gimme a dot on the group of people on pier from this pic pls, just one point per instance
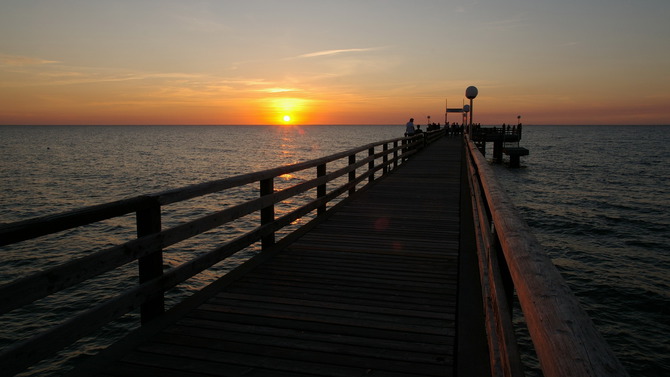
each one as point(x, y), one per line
point(505, 129)
point(451, 129)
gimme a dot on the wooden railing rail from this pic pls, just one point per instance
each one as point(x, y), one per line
point(511, 259)
point(151, 240)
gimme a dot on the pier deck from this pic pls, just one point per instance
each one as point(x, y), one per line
point(370, 291)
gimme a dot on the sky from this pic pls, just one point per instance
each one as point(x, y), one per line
point(333, 62)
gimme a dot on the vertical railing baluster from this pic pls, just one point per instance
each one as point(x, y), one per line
point(267, 213)
point(321, 189)
point(371, 164)
point(385, 158)
point(395, 154)
point(151, 265)
point(352, 174)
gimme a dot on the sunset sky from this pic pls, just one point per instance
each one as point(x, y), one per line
point(333, 62)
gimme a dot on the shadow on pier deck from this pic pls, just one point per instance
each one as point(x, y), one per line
point(370, 291)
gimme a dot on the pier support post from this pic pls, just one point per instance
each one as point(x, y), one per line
point(498, 150)
point(515, 154)
point(151, 265)
point(514, 161)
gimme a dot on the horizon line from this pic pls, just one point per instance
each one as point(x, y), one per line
point(307, 125)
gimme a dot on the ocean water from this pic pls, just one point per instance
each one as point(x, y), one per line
point(597, 198)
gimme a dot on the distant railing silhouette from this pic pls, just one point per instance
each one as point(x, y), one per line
point(512, 260)
point(151, 240)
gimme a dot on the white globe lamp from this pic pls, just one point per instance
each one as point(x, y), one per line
point(470, 93)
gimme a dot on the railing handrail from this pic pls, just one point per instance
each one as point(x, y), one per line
point(147, 248)
point(565, 339)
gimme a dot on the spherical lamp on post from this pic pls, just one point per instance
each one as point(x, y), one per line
point(470, 93)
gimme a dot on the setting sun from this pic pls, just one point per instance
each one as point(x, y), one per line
point(285, 110)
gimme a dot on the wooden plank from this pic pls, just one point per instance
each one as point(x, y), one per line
point(219, 329)
point(328, 325)
point(401, 300)
point(345, 345)
point(226, 297)
point(285, 351)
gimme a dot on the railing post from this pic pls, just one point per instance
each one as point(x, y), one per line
point(151, 265)
point(371, 164)
point(321, 189)
point(352, 174)
point(505, 276)
point(385, 159)
point(395, 154)
point(267, 213)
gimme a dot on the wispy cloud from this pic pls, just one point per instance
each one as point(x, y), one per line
point(337, 52)
point(570, 44)
point(15, 60)
point(278, 90)
point(83, 77)
point(508, 23)
point(25, 72)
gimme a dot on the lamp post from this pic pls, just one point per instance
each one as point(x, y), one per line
point(466, 111)
point(470, 93)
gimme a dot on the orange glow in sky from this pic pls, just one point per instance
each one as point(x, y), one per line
point(332, 62)
point(288, 111)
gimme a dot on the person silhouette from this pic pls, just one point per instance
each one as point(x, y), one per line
point(409, 127)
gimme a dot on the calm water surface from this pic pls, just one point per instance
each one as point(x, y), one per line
point(598, 199)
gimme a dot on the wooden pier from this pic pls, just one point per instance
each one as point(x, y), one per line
point(370, 291)
point(401, 278)
point(505, 141)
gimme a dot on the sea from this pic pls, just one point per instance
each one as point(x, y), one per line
point(596, 197)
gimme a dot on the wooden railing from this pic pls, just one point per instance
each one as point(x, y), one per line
point(152, 239)
point(512, 260)
point(488, 133)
